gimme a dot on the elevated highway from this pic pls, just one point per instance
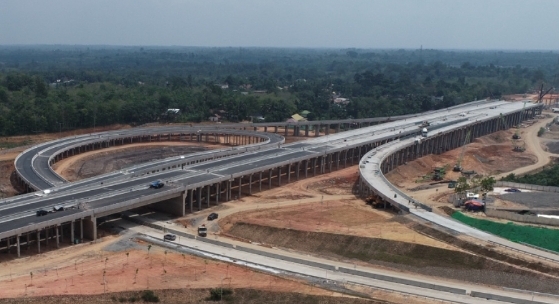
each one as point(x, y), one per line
point(223, 175)
point(208, 178)
point(383, 159)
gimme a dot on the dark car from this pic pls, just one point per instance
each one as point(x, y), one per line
point(169, 237)
point(212, 216)
point(42, 212)
point(512, 190)
point(156, 184)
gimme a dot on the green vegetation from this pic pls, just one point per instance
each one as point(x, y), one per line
point(218, 294)
point(547, 177)
point(484, 184)
point(58, 88)
point(541, 131)
point(541, 237)
point(149, 296)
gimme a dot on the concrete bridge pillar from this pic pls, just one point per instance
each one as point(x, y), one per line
point(90, 227)
point(269, 179)
point(250, 184)
point(240, 186)
point(279, 176)
point(71, 232)
point(208, 195)
point(57, 239)
point(228, 197)
point(317, 131)
point(38, 241)
point(289, 173)
point(199, 197)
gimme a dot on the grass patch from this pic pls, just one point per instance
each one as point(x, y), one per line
point(541, 237)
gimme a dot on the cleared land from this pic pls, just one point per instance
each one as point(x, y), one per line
point(95, 163)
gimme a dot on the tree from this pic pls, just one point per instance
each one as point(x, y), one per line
point(487, 183)
point(462, 185)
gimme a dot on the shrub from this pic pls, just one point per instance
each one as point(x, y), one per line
point(149, 296)
point(541, 131)
point(217, 294)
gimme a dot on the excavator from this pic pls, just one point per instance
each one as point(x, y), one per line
point(458, 166)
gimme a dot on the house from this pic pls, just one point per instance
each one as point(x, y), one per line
point(341, 101)
point(224, 86)
point(298, 117)
point(215, 118)
point(173, 111)
point(304, 113)
point(257, 118)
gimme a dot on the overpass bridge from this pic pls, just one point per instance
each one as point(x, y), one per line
point(209, 178)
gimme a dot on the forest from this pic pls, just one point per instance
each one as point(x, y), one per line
point(58, 88)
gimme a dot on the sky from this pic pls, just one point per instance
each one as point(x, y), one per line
point(433, 24)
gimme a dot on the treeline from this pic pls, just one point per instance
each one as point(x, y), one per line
point(547, 177)
point(61, 88)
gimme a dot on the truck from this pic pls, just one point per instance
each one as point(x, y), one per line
point(202, 230)
point(424, 132)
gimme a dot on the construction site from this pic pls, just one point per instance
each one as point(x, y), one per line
point(313, 216)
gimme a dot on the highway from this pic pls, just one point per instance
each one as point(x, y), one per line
point(193, 180)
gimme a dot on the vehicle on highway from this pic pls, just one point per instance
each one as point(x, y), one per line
point(58, 208)
point(169, 237)
point(202, 230)
point(42, 212)
point(212, 216)
point(156, 184)
point(512, 190)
